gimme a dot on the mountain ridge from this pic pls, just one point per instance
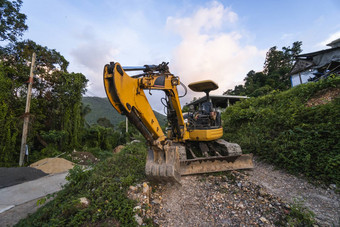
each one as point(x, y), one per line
point(101, 107)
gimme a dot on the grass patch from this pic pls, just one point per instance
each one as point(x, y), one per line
point(105, 186)
point(298, 216)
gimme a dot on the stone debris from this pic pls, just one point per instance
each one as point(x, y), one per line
point(138, 219)
point(83, 202)
point(208, 201)
point(83, 158)
point(236, 198)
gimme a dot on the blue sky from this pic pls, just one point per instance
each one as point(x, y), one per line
point(218, 40)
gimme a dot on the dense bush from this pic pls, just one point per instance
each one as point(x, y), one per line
point(105, 186)
point(282, 129)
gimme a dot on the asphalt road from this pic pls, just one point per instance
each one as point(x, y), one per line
point(19, 200)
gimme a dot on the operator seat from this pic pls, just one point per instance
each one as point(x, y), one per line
point(204, 117)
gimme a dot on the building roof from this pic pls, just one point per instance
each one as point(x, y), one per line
point(334, 43)
point(316, 59)
point(218, 100)
point(312, 54)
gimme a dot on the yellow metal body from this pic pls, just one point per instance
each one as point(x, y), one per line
point(205, 135)
point(126, 94)
point(129, 95)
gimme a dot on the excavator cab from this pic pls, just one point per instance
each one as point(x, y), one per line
point(206, 117)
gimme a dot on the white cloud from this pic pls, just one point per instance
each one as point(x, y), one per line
point(207, 51)
point(330, 38)
point(89, 58)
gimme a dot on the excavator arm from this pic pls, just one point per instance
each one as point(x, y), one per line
point(127, 96)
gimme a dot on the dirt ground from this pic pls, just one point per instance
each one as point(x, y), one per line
point(324, 202)
point(245, 198)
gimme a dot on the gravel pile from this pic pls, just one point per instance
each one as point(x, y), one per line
point(215, 201)
point(260, 197)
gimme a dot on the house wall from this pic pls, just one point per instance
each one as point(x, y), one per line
point(295, 79)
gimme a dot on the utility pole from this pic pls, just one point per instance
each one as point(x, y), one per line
point(126, 125)
point(27, 113)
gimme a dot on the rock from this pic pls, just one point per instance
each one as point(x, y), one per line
point(146, 189)
point(332, 186)
point(264, 220)
point(138, 219)
point(156, 201)
point(262, 192)
point(134, 141)
point(84, 202)
point(136, 208)
point(146, 192)
point(118, 149)
point(133, 188)
point(225, 185)
point(240, 205)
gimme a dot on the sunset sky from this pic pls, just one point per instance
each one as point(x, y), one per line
point(218, 40)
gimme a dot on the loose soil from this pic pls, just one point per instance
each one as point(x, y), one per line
point(324, 96)
point(83, 158)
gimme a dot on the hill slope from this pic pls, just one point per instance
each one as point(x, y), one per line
point(101, 107)
point(297, 129)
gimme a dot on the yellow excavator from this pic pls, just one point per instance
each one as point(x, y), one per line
point(192, 143)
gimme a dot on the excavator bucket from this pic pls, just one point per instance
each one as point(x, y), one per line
point(216, 164)
point(214, 156)
point(164, 166)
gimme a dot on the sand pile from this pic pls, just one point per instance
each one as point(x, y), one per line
point(53, 165)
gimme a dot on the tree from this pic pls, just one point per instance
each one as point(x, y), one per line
point(274, 75)
point(12, 21)
point(106, 123)
point(56, 106)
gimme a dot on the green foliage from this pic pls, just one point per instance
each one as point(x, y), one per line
point(100, 137)
point(298, 216)
point(101, 108)
point(56, 109)
point(99, 153)
point(12, 21)
point(282, 129)
point(105, 186)
point(8, 124)
point(103, 121)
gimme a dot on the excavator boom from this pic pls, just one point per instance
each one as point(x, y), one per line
point(190, 145)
